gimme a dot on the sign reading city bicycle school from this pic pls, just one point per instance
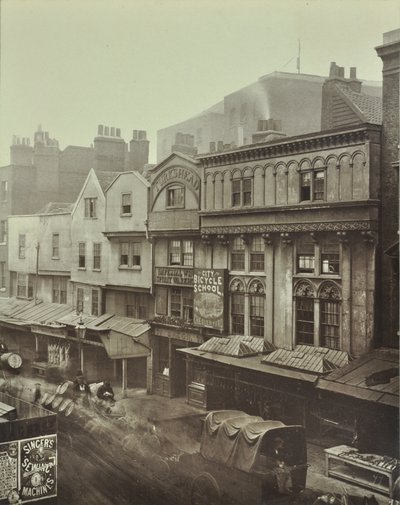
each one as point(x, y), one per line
point(209, 287)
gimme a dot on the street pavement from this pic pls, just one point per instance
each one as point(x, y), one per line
point(104, 461)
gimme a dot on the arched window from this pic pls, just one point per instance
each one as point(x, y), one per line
point(304, 314)
point(175, 196)
point(330, 315)
point(257, 298)
point(237, 307)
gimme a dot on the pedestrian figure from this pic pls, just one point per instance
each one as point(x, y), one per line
point(81, 388)
point(37, 393)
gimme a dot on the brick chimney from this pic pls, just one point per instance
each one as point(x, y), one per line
point(184, 143)
point(109, 149)
point(21, 151)
point(138, 150)
point(268, 130)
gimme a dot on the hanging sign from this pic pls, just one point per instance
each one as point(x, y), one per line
point(209, 287)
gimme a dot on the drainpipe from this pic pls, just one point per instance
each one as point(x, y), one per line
point(37, 271)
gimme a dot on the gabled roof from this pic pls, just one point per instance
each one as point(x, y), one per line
point(170, 157)
point(368, 106)
point(318, 360)
point(134, 173)
point(106, 179)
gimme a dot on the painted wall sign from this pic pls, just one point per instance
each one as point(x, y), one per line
point(177, 174)
point(209, 288)
point(174, 276)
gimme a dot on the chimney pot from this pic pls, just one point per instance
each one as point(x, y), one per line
point(117, 132)
point(353, 73)
point(220, 145)
point(142, 135)
point(212, 147)
point(106, 131)
point(100, 129)
point(112, 131)
point(333, 71)
point(341, 72)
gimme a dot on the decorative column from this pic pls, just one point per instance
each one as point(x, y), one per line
point(287, 303)
point(269, 287)
point(345, 254)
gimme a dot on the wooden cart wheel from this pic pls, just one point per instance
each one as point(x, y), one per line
point(205, 490)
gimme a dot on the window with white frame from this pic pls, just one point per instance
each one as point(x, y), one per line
point(97, 256)
point(4, 191)
point(126, 203)
point(95, 302)
point(180, 252)
point(238, 254)
point(79, 300)
point(3, 231)
point(312, 186)
point(55, 246)
point(130, 254)
point(242, 192)
point(59, 290)
point(330, 257)
point(175, 197)
point(2, 274)
point(82, 255)
point(24, 285)
point(21, 246)
point(91, 208)
point(305, 249)
point(257, 249)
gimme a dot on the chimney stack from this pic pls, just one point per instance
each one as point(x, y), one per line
point(184, 143)
point(268, 131)
point(21, 152)
point(139, 150)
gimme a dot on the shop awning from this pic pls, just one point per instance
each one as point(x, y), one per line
point(235, 346)
point(373, 377)
point(252, 363)
point(26, 312)
point(118, 345)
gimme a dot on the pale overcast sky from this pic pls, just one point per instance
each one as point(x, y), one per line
point(147, 64)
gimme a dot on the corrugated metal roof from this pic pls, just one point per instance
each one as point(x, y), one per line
point(318, 360)
point(9, 305)
point(126, 325)
point(41, 312)
point(372, 377)
point(234, 345)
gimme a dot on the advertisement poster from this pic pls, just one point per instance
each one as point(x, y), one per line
point(209, 297)
point(38, 468)
point(8, 469)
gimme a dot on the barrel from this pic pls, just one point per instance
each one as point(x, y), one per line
point(11, 360)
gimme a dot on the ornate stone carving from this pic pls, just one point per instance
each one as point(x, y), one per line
point(236, 286)
point(305, 290)
point(329, 291)
point(257, 287)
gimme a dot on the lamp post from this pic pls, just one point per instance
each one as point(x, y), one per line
point(80, 329)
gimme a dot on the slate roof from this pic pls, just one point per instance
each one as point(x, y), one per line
point(372, 377)
point(319, 360)
point(235, 346)
point(370, 107)
point(56, 208)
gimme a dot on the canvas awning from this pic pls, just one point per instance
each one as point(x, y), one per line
point(373, 377)
point(119, 345)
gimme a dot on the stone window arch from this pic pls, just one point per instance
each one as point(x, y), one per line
point(304, 311)
point(330, 313)
point(237, 306)
point(256, 308)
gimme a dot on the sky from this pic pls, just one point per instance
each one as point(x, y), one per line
point(70, 65)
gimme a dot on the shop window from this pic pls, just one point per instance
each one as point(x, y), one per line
point(238, 254)
point(312, 186)
point(24, 285)
point(330, 257)
point(198, 374)
point(237, 313)
point(82, 255)
point(242, 192)
point(163, 356)
point(95, 302)
point(21, 246)
point(304, 314)
point(79, 300)
point(3, 231)
point(91, 208)
point(330, 316)
point(96, 256)
point(305, 256)
point(55, 246)
point(180, 252)
point(175, 197)
point(126, 203)
point(257, 254)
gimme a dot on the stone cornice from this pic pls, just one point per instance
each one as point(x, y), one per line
point(293, 145)
point(361, 225)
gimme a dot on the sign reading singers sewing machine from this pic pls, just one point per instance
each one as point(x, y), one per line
point(209, 288)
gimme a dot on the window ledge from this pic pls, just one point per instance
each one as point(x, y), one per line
point(55, 257)
point(2, 289)
point(175, 208)
point(81, 268)
point(90, 218)
point(257, 272)
point(3, 243)
point(96, 269)
point(136, 268)
point(126, 214)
